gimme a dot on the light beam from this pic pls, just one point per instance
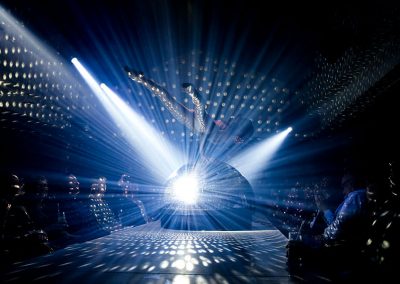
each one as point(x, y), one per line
point(253, 161)
point(159, 156)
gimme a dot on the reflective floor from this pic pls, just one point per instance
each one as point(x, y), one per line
point(150, 254)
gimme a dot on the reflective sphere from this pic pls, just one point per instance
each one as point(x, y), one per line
point(208, 194)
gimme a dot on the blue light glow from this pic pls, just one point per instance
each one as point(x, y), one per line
point(159, 156)
point(253, 161)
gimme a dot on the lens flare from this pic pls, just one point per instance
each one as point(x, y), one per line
point(186, 189)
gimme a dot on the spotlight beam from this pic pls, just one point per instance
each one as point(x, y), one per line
point(159, 156)
point(253, 161)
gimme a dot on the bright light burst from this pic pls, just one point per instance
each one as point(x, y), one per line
point(186, 189)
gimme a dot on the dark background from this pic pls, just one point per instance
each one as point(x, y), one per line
point(295, 31)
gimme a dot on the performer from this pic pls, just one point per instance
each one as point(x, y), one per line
point(237, 130)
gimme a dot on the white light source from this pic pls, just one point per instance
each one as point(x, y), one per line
point(186, 189)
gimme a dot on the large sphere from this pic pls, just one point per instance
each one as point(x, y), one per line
point(224, 197)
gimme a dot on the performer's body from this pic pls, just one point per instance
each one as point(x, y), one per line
point(237, 130)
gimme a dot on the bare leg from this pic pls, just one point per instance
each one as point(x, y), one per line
point(199, 110)
point(180, 112)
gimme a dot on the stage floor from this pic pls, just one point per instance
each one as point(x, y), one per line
point(150, 254)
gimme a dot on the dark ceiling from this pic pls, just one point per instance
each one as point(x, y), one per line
point(320, 51)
